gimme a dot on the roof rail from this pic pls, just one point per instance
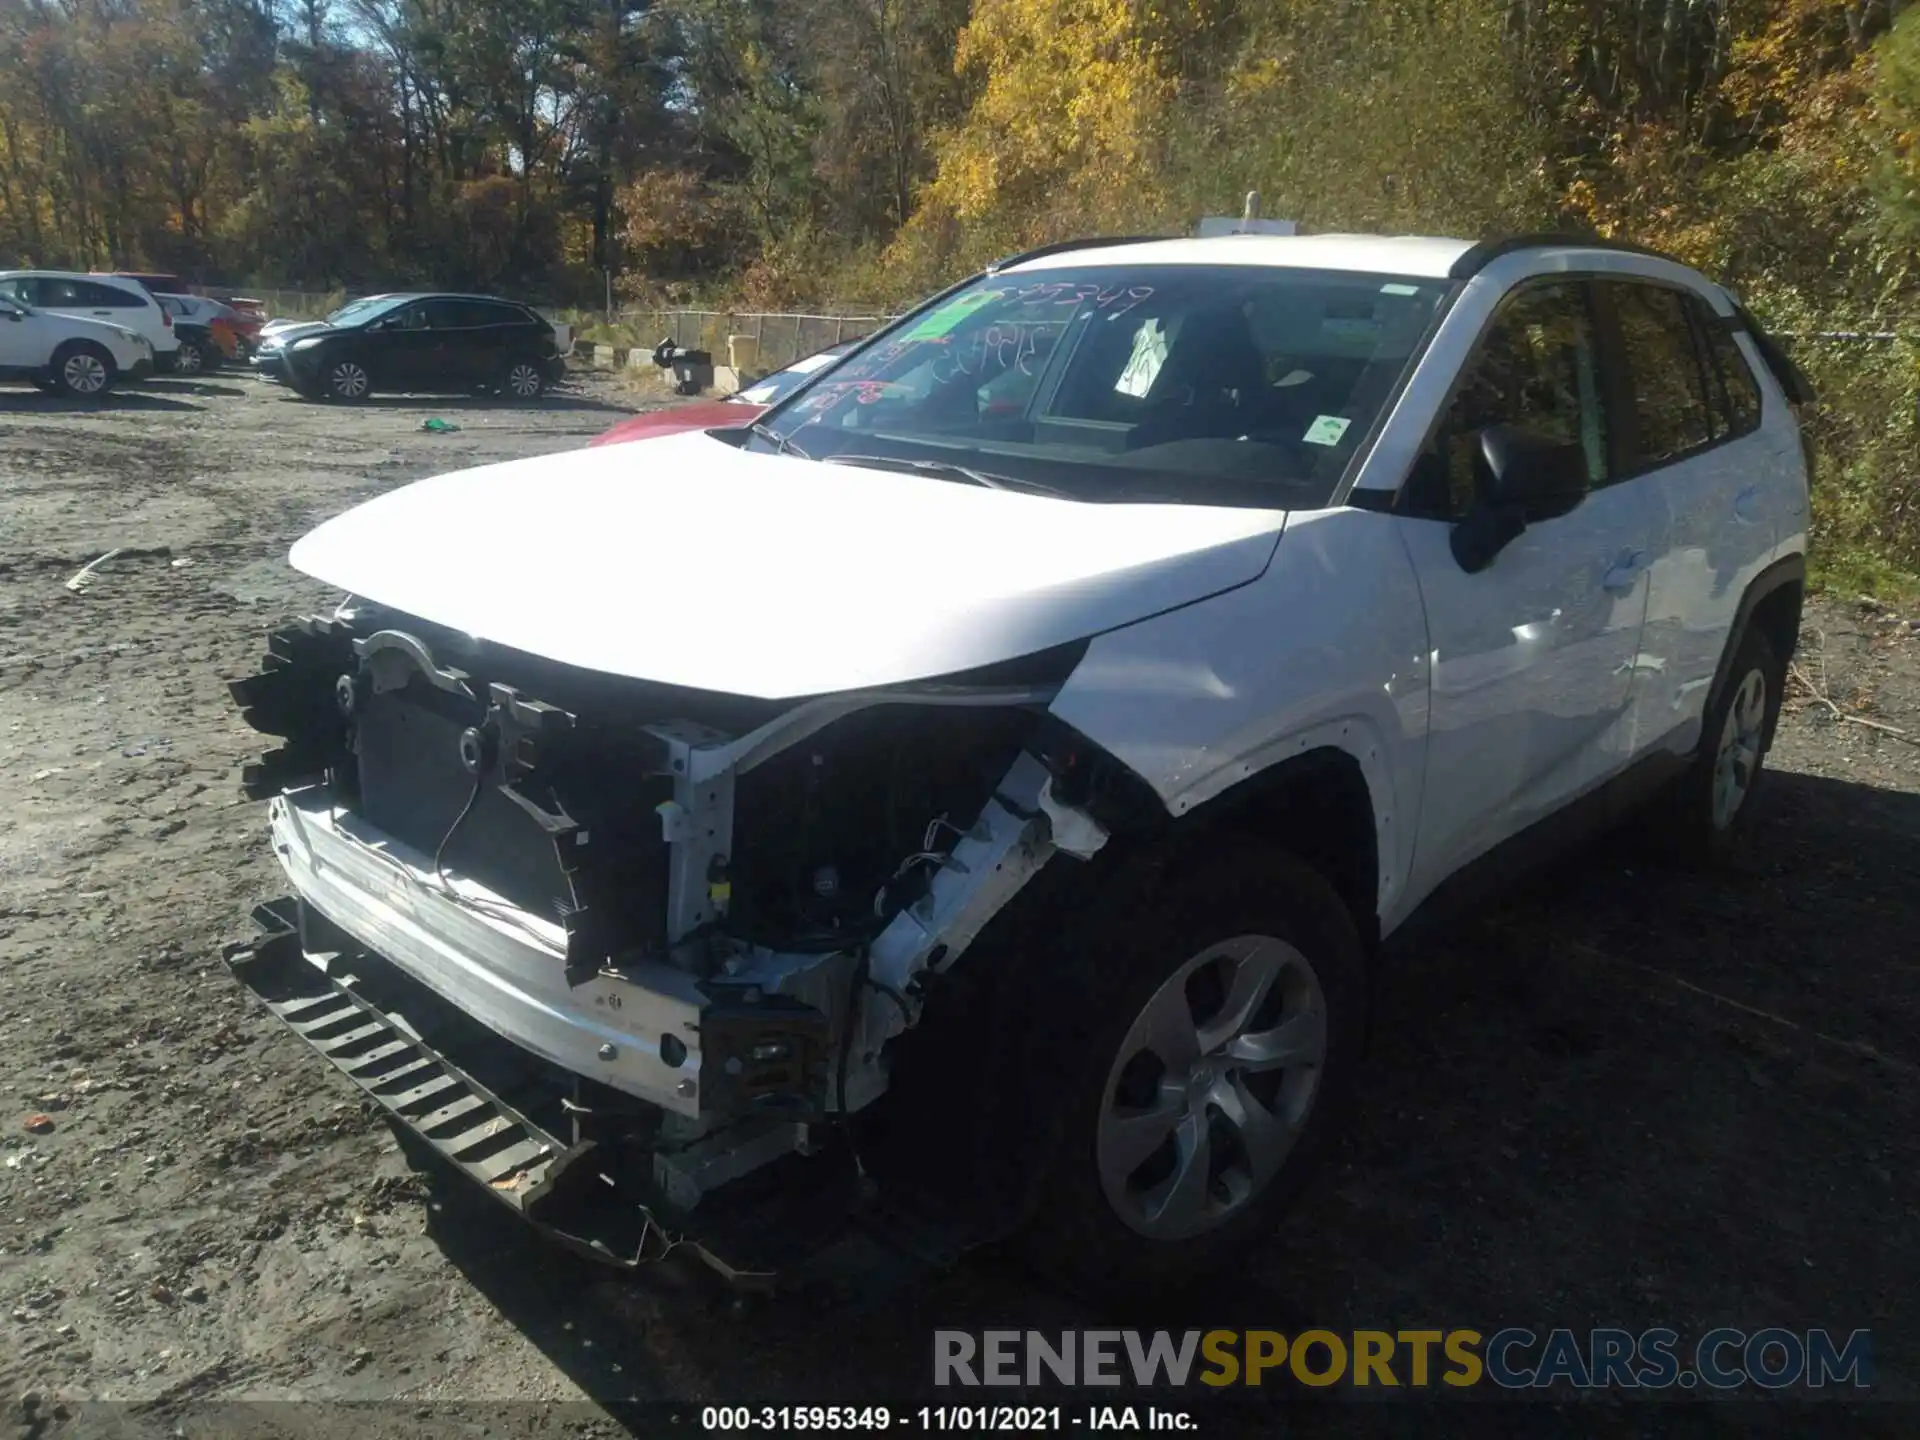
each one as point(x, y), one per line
point(1488, 251)
point(1096, 242)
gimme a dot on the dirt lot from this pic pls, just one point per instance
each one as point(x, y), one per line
point(1628, 1097)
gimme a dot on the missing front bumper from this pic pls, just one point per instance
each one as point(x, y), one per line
point(496, 1113)
point(637, 1031)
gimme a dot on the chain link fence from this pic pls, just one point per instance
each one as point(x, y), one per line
point(280, 304)
point(779, 337)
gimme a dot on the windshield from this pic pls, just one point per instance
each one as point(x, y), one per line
point(1233, 385)
point(782, 383)
point(362, 310)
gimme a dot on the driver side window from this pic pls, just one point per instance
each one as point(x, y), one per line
point(1537, 369)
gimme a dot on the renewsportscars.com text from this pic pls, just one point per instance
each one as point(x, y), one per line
point(1514, 1358)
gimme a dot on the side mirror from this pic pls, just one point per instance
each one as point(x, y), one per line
point(1525, 478)
point(1544, 478)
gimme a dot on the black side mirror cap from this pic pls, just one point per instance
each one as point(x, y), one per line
point(1542, 478)
point(1482, 533)
point(1525, 478)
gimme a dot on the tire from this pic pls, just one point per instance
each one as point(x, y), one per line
point(192, 359)
point(1232, 956)
point(1701, 818)
point(80, 370)
point(523, 381)
point(346, 380)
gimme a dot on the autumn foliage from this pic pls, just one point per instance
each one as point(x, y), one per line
point(785, 152)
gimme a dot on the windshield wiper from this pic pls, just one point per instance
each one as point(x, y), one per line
point(950, 470)
point(781, 444)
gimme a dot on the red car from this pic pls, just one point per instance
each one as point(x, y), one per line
point(725, 414)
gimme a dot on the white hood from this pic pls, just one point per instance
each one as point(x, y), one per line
point(686, 561)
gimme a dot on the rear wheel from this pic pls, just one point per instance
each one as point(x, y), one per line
point(80, 369)
point(1224, 1028)
point(347, 380)
point(523, 380)
point(1702, 817)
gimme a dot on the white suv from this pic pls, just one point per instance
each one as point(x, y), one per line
point(122, 302)
point(988, 777)
point(64, 355)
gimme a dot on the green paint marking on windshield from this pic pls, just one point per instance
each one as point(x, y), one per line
point(942, 319)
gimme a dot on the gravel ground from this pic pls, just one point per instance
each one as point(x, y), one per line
point(1627, 1097)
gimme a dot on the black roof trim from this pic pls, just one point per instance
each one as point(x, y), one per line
point(1095, 242)
point(1488, 251)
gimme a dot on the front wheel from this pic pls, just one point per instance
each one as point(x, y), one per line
point(80, 370)
point(1224, 1029)
point(192, 359)
point(347, 381)
point(523, 380)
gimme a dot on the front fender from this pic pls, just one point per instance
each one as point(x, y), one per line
point(1327, 649)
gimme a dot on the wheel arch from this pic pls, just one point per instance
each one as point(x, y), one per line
point(1321, 795)
point(1772, 604)
point(1319, 804)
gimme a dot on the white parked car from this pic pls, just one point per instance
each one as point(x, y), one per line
point(119, 301)
point(988, 777)
point(66, 355)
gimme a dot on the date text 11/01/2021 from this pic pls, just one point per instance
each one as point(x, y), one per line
point(940, 1418)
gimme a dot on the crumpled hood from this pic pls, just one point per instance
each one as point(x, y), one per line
point(686, 561)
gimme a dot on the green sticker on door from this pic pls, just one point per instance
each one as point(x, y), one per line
point(1326, 430)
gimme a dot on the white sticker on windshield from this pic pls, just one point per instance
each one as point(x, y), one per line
point(1326, 430)
point(1143, 366)
point(1399, 289)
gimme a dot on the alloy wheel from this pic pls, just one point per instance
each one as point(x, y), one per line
point(348, 380)
point(84, 374)
point(1737, 762)
point(524, 381)
point(190, 361)
point(1211, 1088)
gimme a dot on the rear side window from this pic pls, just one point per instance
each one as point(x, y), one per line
point(1673, 415)
point(108, 297)
point(1739, 395)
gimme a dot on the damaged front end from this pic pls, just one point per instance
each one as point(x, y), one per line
point(686, 928)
